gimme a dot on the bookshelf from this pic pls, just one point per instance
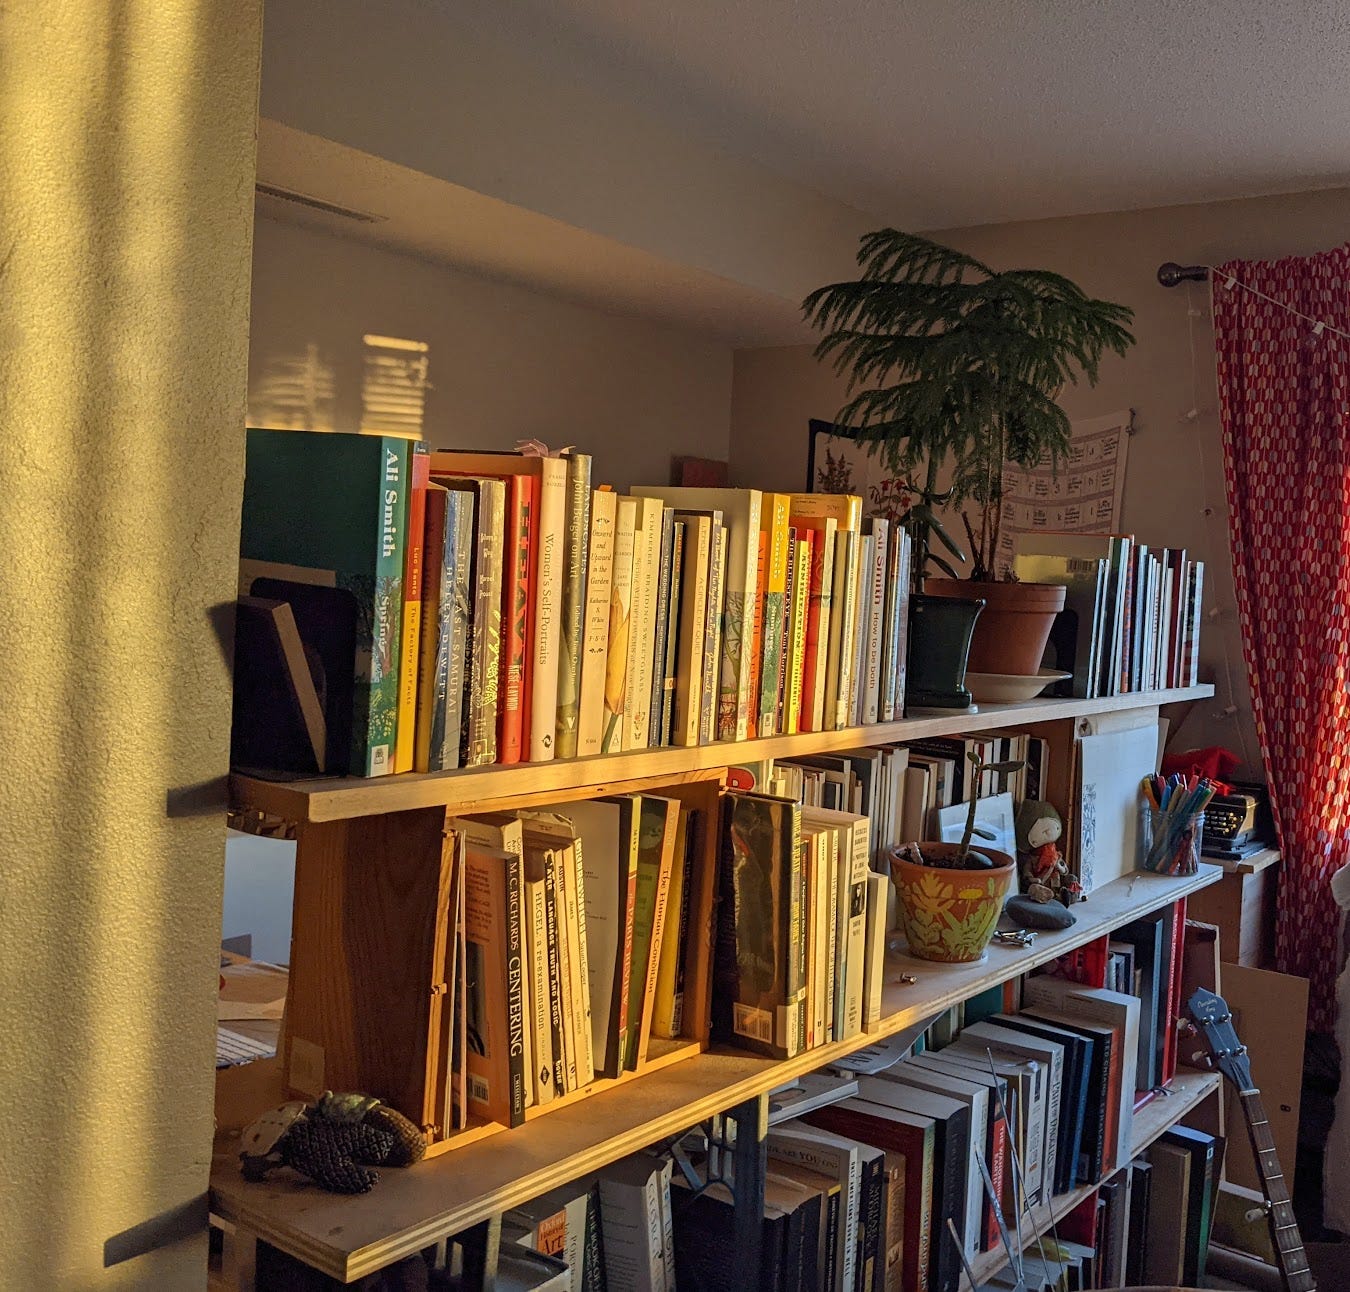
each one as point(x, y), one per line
point(344, 797)
point(352, 833)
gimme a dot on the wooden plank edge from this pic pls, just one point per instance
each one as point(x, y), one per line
point(761, 1076)
point(340, 798)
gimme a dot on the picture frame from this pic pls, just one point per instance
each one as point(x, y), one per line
point(836, 462)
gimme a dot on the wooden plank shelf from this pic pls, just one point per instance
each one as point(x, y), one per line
point(408, 1210)
point(344, 797)
point(1161, 1113)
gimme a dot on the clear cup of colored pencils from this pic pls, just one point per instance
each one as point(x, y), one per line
point(1172, 824)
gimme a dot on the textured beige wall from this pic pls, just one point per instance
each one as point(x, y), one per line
point(1175, 466)
point(126, 164)
point(505, 363)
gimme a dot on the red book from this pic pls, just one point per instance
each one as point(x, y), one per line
point(419, 473)
point(516, 602)
point(896, 1132)
point(1174, 937)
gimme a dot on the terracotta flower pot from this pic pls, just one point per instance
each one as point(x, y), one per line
point(950, 915)
point(1010, 635)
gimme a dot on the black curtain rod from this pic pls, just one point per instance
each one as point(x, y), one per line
point(1173, 275)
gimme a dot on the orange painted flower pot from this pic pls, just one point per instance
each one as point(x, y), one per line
point(950, 915)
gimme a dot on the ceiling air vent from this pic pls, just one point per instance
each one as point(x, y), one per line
point(316, 204)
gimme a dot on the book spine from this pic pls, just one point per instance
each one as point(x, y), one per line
point(848, 634)
point(817, 627)
point(801, 614)
point(540, 994)
point(446, 750)
point(409, 641)
point(855, 902)
point(693, 616)
point(876, 601)
point(662, 628)
point(481, 747)
point(553, 909)
point(620, 626)
point(869, 1232)
point(642, 618)
point(516, 991)
point(902, 594)
point(669, 674)
point(830, 1248)
point(998, 1170)
point(667, 1010)
point(435, 618)
point(740, 592)
point(581, 978)
point(794, 1037)
point(629, 881)
point(595, 642)
point(593, 1264)
point(491, 1090)
point(375, 722)
point(757, 624)
point(833, 984)
point(546, 633)
point(566, 969)
point(1195, 598)
point(712, 647)
point(784, 684)
point(515, 617)
point(774, 599)
point(576, 533)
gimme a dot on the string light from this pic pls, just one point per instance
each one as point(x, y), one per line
point(1319, 326)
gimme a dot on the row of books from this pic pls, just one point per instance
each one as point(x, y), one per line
point(1148, 1223)
point(573, 924)
point(470, 608)
point(892, 1185)
point(1132, 616)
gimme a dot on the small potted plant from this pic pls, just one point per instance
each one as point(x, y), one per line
point(953, 363)
point(950, 895)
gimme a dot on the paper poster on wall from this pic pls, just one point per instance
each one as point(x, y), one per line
point(1085, 495)
point(1111, 766)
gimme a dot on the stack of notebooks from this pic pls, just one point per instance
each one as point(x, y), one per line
point(1131, 620)
point(447, 609)
point(567, 937)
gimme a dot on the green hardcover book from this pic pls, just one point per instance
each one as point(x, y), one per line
point(759, 987)
point(324, 515)
point(577, 540)
point(656, 838)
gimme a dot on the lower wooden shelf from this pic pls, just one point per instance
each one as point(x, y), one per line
point(1161, 1113)
point(348, 1237)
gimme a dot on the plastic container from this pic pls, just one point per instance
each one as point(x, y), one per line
point(1169, 844)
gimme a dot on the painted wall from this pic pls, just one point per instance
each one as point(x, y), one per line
point(430, 87)
point(1175, 464)
point(126, 167)
point(504, 363)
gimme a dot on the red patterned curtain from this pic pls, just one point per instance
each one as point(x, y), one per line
point(1284, 400)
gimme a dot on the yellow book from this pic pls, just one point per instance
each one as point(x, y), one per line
point(796, 641)
point(846, 508)
point(405, 742)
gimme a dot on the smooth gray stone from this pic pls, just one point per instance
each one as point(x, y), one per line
point(1038, 915)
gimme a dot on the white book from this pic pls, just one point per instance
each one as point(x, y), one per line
point(542, 1068)
point(632, 1223)
point(862, 626)
point(696, 566)
point(874, 959)
point(620, 627)
point(595, 624)
point(1116, 1009)
point(1050, 1054)
point(854, 834)
point(642, 621)
point(741, 511)
point(976, 1097)
point(834, 1156)
point(839, 676)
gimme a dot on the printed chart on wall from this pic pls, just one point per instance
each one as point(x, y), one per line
point(1083, 498)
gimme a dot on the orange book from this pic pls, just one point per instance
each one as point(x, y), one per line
point(419, 475)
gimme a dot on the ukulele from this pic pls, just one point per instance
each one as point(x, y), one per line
point(1229, 1055)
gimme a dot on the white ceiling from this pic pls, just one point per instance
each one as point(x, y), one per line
point(942, 113)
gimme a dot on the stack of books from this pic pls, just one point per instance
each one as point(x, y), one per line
point(1132, 616)
point(473, 608)
point(568, 936)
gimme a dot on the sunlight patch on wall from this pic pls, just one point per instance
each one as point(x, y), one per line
point(295, 392)
point(394, 385)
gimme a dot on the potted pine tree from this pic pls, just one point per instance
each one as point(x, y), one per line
point(954, 365)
